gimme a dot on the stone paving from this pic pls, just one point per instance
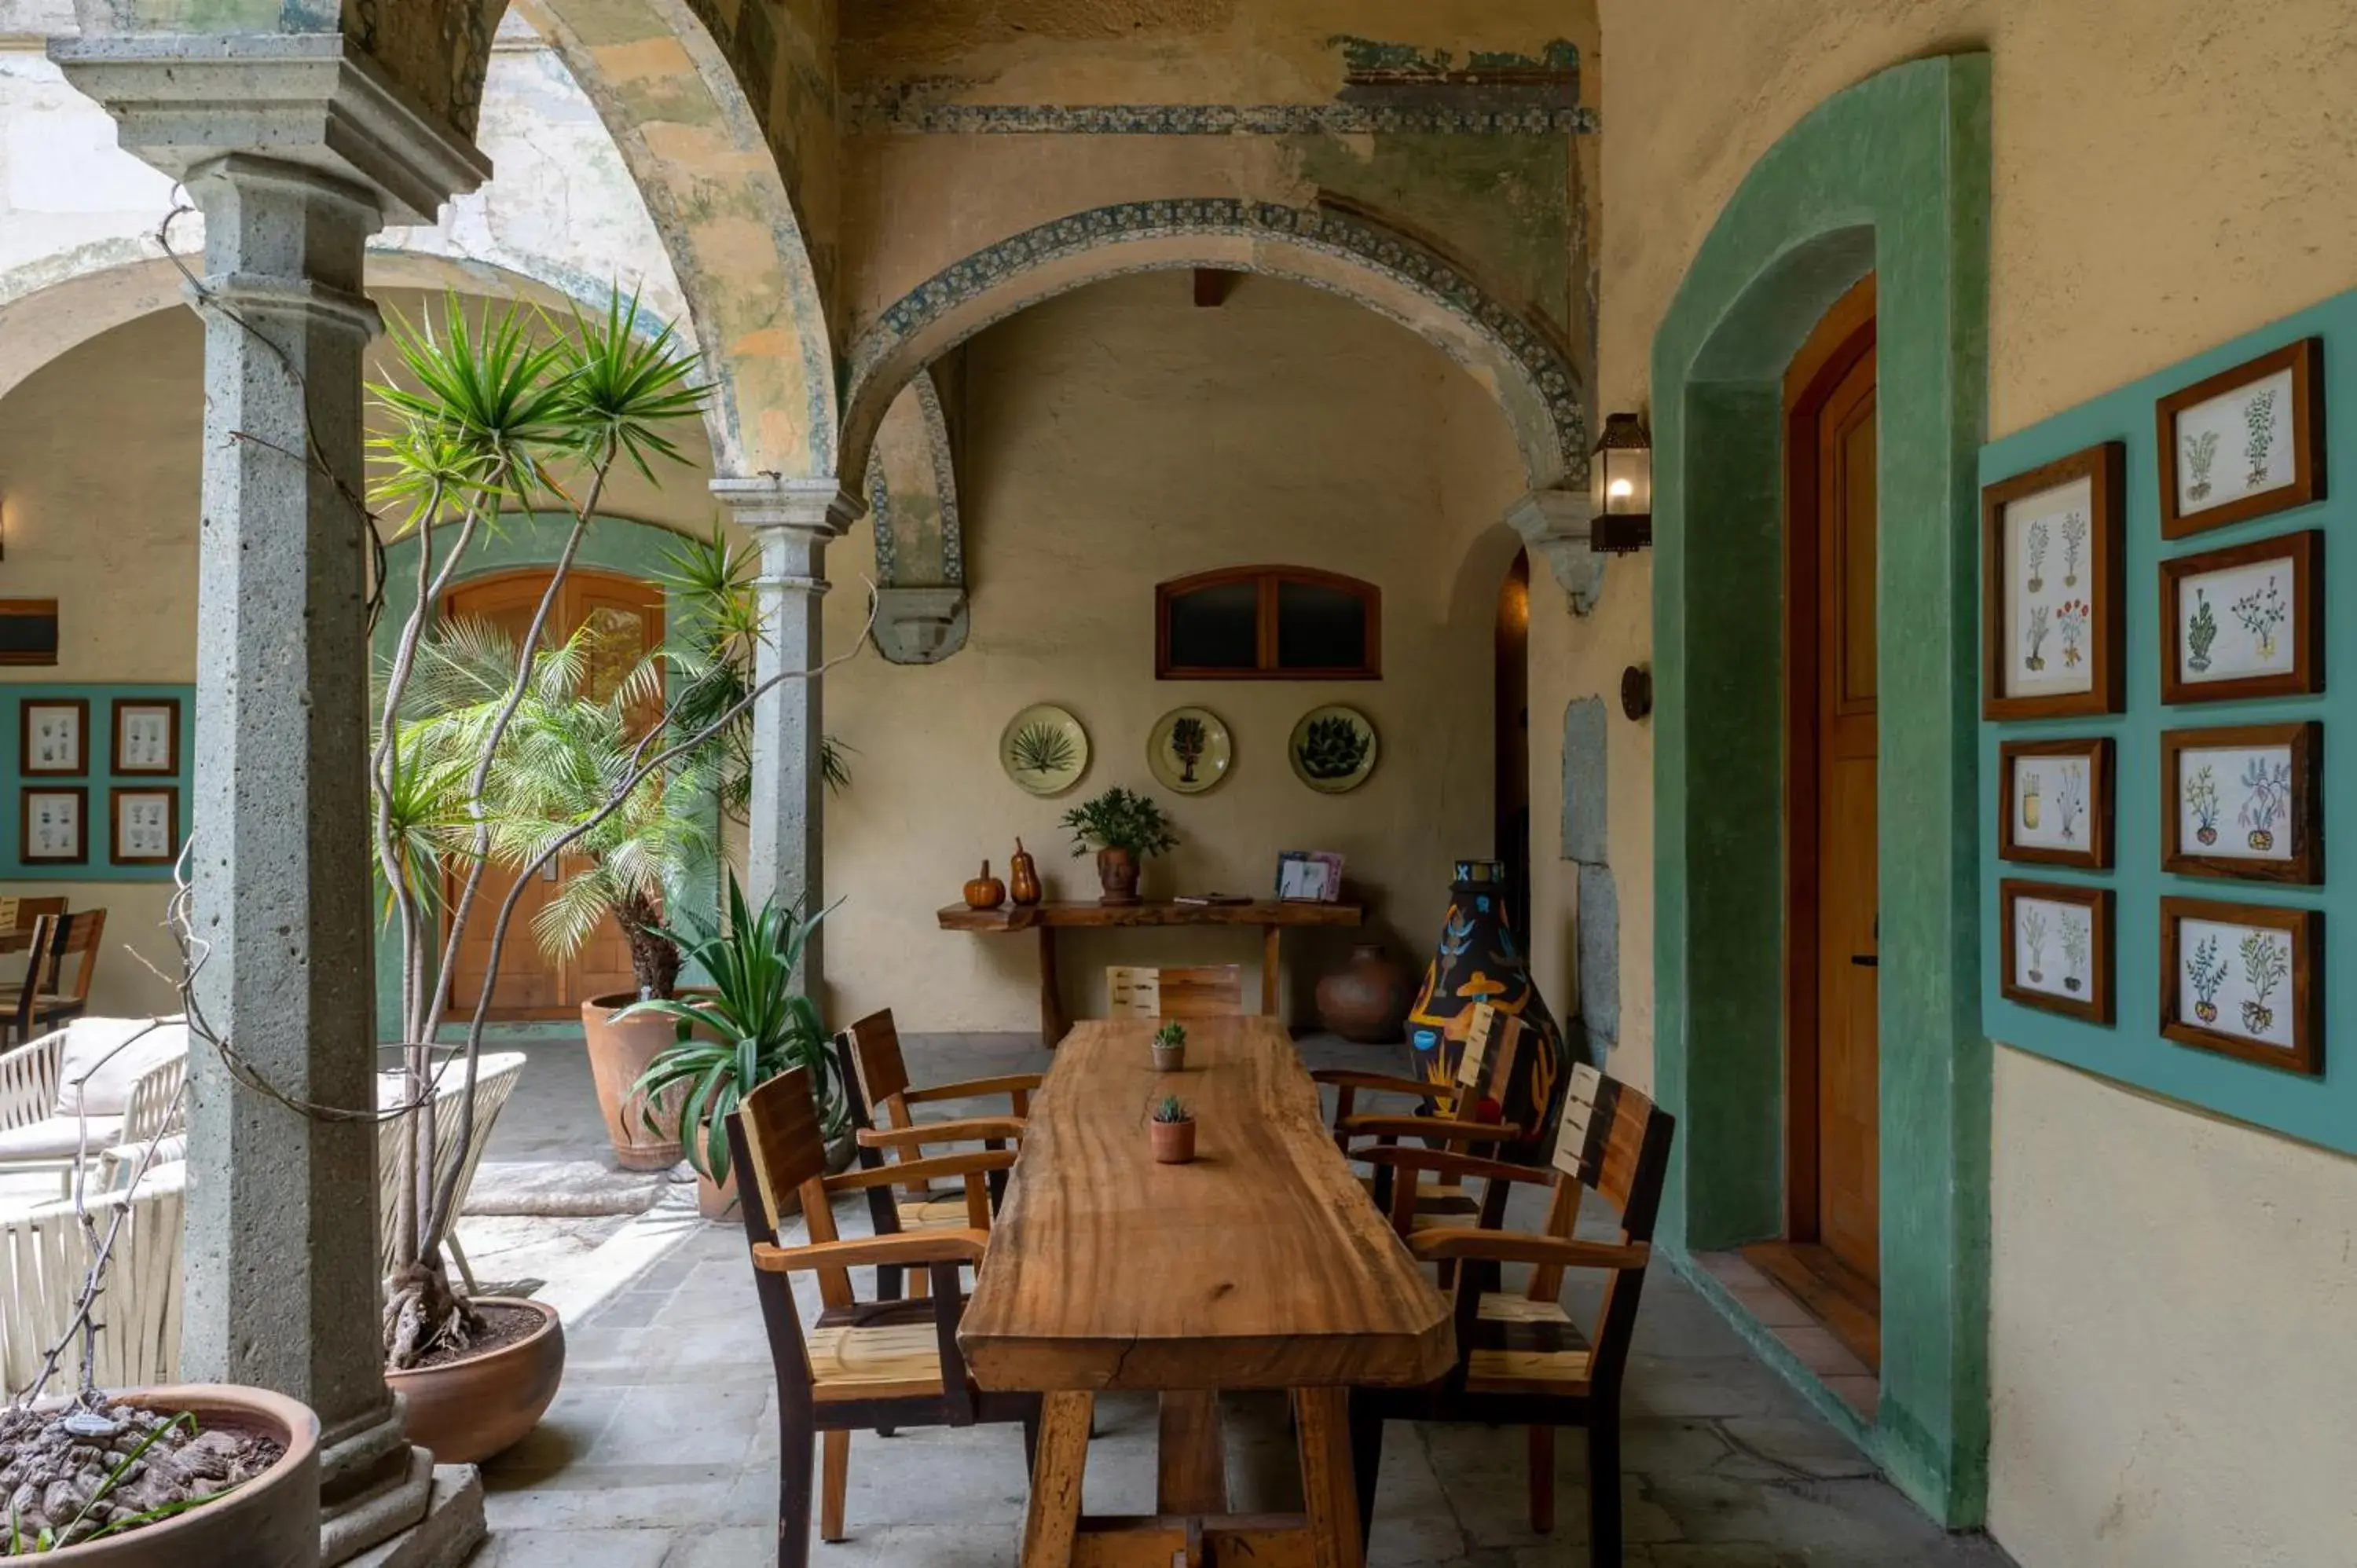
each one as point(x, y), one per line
point(661, 1450)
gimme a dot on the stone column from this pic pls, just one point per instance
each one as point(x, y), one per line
point(792, 521)
point(294, 153)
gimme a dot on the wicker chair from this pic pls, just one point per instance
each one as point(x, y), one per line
point(43, 1260)
point(68, 1096)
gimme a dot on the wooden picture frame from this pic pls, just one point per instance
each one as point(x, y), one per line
point(2300, 993)
point(2086, 622)
point(2023, 833)
point(2299, 809)
point(2288, 662)
point(132, 755)
point(118, 851)
point(2091, 1000)
point(2297, 368)
point(26, 811)
point(28, 722)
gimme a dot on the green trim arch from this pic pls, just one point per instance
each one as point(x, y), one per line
point(1892, 176)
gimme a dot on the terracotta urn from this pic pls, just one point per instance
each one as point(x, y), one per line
point(1117, 872)
point(1023, 877)
point(467, 1409)
point(985, 891)
point(619, 1053)
point(1366, 1000)
point(1174, 1142)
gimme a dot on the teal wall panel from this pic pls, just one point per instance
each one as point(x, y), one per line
point(96, 778)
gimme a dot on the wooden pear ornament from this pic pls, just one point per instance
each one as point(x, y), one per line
point(1023, 876)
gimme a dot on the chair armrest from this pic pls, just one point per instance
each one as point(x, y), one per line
point(904, 1248)
point(1017, 1083)
point(1382, 1083)
point(28, 1080)
point(1452, 1243)
point(907, 1173)
point(116, 1165)
point(1428, 1127)
point(1450, 1163)
point(973, 1130)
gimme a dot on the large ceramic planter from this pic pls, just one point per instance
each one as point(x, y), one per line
point(272, 1521)
point(1366, 1000)
point(619, 1053)
point(471, 1408)
point(1117, 871)
point(719, 1201)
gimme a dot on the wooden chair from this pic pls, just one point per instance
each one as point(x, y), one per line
point(862, 1365)
point(1201, 990)
point(1467, 1116)
point(876, 1078)
point(20, 1003)
point(44, 1262)
point(56, 987)
point(1520, 1361)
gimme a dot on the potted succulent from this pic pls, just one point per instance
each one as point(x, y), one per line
point(750, 1025)
point(1173, 1132)
point(1123, 827)
point(1170, 1048)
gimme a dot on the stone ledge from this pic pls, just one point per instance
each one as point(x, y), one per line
point(446, 1537)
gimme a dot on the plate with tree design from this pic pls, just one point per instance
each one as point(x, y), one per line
point(1332, 749)
point(1044, 749)
point(1190, 750)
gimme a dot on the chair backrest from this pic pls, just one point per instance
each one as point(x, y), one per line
point(1616, 1143)
point(18, 914)
point(1132, 991)
point(1199, 991)
point(41, 963)
point(495, 1080)
point(1494, 1043)
point(79, 935)
point(42, 1266)
point(777, 1146)
point(875, 1071)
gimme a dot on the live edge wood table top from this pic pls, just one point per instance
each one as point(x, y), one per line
point(1260, 1265)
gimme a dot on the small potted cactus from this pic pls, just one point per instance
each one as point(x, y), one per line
point(1173, 1130)
point(1170, 1048)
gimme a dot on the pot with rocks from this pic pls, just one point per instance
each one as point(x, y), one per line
point(466, 1405)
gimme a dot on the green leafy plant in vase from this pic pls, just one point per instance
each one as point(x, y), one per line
point(1169, 1047)
point(1122, 828)
point(1172, 1130)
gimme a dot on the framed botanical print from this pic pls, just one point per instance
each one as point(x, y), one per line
point(147, 737)
point(2244, 980)
point(53, 736)
point(53, 825)
point(2057, 947)
point(146, 826)
point(2244, 801)
point(2051, 588)
point(2244, 443)
point(2244, 622)
point(2055, 802)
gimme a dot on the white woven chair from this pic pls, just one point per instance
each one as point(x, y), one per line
point(68, 1096)
point(495, 1080)
point(43, 1261)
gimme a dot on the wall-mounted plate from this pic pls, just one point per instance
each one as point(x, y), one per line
point(1190, 750)
point(1332, 749)
point(1044, 749)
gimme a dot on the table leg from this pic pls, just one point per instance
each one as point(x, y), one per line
point(1054, 1520)
point(1052, 1026)
point(1193, 1475)
point(1329, 1493)
point(1272, 965)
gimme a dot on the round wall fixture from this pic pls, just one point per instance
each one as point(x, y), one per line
point(1637, 691)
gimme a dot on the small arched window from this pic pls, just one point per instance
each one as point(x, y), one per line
point(1268, 623)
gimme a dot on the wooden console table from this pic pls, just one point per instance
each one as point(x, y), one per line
point(1269, 915)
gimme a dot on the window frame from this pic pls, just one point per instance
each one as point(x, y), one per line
point(1266, 580)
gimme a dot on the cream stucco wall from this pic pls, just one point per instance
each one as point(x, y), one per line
point(2168, 1345)
point(1115, 437)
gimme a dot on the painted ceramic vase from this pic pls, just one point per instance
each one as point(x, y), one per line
point(1366, 1000)
point(1480, 960)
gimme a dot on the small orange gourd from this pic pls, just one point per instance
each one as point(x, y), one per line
point(1023, 876)
point(985, 892)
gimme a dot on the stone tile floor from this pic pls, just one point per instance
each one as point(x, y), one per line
point(661, 1450)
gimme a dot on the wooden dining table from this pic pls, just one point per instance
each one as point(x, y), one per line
point(1262, 1265)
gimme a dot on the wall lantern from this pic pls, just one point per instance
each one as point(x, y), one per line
point(1622, 479)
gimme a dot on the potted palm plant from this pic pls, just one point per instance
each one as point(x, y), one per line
point(1123, 827)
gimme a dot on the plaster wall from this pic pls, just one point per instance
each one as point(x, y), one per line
point(1117, 436)
point(2157, 187)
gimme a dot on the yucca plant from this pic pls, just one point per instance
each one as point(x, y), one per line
point(758, 1022)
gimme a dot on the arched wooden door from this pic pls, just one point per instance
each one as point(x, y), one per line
point(627, 616)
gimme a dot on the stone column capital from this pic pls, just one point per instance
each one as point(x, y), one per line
point(184, 100)
point(1556, 525)
point(820, 506)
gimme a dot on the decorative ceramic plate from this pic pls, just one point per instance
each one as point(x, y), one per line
point(1044, 749)
point(1190, 750)
point(1332, 749)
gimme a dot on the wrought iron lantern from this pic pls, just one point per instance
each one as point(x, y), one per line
point(1621, 475)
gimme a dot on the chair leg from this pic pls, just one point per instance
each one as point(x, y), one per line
point(836, 1448)
point(1366, 1463)
point(458, 1256)
point(1604, 1490)
point(797, 1442)
point(1542, 1478)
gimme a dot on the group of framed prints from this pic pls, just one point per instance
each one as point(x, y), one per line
point(2240, 802)
point(57, 753)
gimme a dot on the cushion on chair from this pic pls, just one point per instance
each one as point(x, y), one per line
point(59, 1138)
point(95, 1047)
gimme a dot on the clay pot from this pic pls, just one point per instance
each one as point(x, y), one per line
point(619, 1053)
point(272, 1521)
point(1171, 1059)
point(1023, 876)
point(1367, 999)
point(985, 891)
point(719, 1202)
point(1117, 872)
point(1174, 1142)
point(469, 1410)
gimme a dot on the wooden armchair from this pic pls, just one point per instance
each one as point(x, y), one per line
point(876, 1078)
point(1200, 991)
point(1468, 1115)
point(1520, 1361)
point(56, 987)
point(873, 1365)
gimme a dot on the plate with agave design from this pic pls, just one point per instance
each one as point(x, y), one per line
point(1332, 749)
point(1044, 749)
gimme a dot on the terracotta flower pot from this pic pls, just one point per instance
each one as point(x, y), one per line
point(1117, 872)
point(471, 1408)
point(1174, 1142)
point(272, 1521)
point(619, 1053)
point(1171, 1059)
point(1366, 1001)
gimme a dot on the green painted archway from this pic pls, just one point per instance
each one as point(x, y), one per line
point(1892, 176)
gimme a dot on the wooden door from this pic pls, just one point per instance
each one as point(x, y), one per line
point(628, 615)
point(1834, 1145)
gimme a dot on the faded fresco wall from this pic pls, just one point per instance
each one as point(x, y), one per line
point(2157, 188)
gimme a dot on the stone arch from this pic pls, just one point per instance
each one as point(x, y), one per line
point(1520, 361)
